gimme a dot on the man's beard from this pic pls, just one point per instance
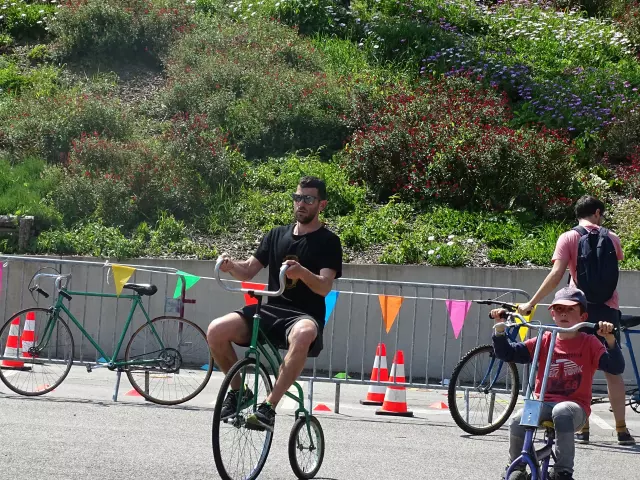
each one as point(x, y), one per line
point(305, 218)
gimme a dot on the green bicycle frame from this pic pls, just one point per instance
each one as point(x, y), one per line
point(60, 307)
point(269, 351)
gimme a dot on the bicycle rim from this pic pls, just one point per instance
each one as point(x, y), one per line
point(483, 391)
point(175, 360)
point(306, 452)
point(37, 352)
point(240, 453)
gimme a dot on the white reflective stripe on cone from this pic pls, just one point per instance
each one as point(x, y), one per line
point(395, 395)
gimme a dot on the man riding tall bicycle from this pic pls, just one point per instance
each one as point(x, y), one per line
point(294, 320)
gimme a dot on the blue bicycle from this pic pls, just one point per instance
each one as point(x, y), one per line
point(538, 461)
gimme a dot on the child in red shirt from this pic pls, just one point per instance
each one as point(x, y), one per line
point(576, 357)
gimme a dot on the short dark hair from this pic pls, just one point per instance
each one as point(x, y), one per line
point(314, 182)
point(587, 206)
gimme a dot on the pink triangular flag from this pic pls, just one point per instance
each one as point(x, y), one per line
point(458, 310)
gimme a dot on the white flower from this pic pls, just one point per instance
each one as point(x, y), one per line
point(469, 240)
point(431, 252)
point(431, 238)
point(376, 46)
point(449, 243)
point(451, 237)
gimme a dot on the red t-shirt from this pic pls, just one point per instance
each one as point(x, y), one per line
point(573, 365)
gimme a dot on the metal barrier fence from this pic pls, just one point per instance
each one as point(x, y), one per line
point(422, 330)
point(355, 326)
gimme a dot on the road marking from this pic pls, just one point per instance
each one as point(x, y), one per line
point(600, 422)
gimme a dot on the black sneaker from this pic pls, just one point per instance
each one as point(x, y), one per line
point(515, 475)
point(582, 437)
point(561, 476)
point(230, 404)
point(625, 438)
point(263, 419)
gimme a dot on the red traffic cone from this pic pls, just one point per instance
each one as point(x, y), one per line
point(11, 350)
point(28, 337)
point(395, 400)
point(375, 394)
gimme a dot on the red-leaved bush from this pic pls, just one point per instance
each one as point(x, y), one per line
point(449, 141)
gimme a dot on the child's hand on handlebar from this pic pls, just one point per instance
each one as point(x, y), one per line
point(605, 330)
point(498, 314)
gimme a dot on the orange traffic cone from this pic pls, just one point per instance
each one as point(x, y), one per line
point(11, 349)
point(395, 400)
point(375, 395)
point(28, 334)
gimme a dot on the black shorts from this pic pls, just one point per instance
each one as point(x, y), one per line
point(276, 323)
point(603, 313)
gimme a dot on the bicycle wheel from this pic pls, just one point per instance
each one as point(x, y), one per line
point(240, 453)
point(483, 391)
point(171, 352)
point(37, 351)
point(305, 458)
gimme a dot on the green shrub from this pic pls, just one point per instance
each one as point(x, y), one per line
point(120, 30)
point(47, 126)
point(39, 53)
point(260, 83)
point(25, 20)
point(23, 188)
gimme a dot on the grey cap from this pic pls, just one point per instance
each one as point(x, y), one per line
point(570, 296)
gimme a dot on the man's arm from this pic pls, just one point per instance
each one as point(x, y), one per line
point(510, 352)
point(320, 284)
point(243, 270)
point(548, 285)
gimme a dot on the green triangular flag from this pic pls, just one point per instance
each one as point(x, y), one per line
point(342, 376)
point(190, 279)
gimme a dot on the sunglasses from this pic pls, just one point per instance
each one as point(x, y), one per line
point(308, 199)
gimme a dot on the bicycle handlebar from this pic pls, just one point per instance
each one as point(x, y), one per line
point(57, 283)
point(265, 293)
point(551, 328)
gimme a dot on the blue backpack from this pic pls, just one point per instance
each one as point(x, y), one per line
point(597, 270)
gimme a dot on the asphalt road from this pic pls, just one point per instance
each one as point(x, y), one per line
point(78, 432)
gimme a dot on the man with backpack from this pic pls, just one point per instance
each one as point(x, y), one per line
point(591, 253)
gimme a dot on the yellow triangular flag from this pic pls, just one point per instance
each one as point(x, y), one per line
point(121, 274)
point(390, 306)
point(523, 331)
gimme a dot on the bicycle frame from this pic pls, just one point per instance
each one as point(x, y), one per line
point(627, 337)
point(60, 307)
point(531, 415)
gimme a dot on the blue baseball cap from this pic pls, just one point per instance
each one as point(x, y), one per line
point(569, 296)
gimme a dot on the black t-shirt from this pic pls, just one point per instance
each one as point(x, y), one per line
point(314, 251)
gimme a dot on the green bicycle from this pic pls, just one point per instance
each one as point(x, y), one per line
point(162, 359)
point(239, 451)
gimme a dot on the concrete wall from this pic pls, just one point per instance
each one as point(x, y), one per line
point(422, 329)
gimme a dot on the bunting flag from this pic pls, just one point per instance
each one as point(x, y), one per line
point(252, 286)
point(390, 306)
point(458, 310)
point(330, 303)
point(523, 331)
point(190, 280)
point(121, 275)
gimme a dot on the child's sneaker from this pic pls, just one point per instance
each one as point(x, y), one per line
point(582, 437)
point(515, 475)
point(560, 476)
point(625, 438)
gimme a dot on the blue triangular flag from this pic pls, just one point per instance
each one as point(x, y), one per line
point(102, 360)
point(330, 302)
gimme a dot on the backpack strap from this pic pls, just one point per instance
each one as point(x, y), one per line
point(581, 230)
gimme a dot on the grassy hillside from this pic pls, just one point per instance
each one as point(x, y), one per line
point(450, 133)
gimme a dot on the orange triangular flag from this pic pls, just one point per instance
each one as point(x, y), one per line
point(390, 306)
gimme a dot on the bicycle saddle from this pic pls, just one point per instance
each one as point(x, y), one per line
point(141, 289)
point(629, 321)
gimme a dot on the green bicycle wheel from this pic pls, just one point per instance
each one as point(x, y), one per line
point(240, 453)
point(171, 352)
point(37, 351)
point(306, 447)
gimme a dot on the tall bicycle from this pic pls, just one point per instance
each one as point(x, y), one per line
point(239, 451)
point(162, 359)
